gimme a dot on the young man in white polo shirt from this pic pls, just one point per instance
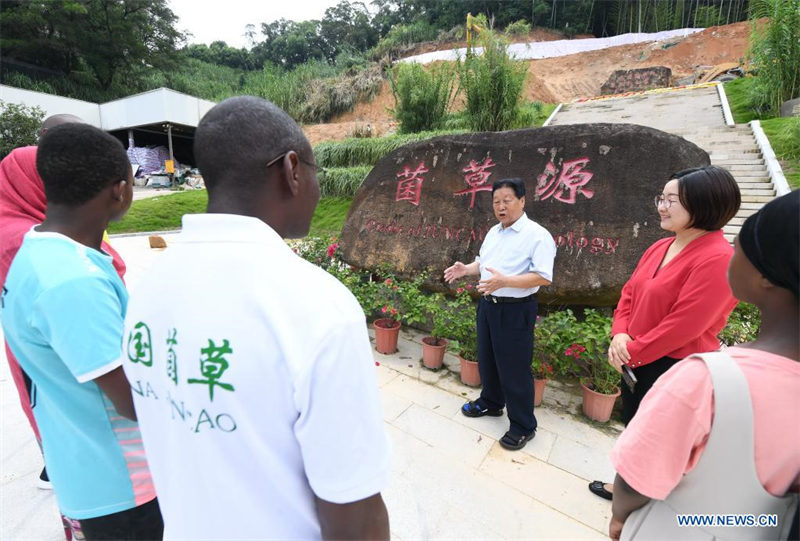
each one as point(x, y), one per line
point(253, 377)
point(516, 258)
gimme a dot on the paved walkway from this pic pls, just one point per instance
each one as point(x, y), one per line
point(451, 478)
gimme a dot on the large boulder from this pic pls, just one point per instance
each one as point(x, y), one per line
point(592, 186)
point(635, 80)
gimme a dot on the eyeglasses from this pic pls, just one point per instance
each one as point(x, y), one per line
point(320, 171)
point(660, 200)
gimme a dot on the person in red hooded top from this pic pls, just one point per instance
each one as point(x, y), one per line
point(22, 206)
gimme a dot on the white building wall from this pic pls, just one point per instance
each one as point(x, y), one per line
point(153, 107)
point(52, 104)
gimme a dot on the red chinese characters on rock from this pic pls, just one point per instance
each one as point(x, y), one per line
point(409, 184)
point(476, 178)
point(564, 185)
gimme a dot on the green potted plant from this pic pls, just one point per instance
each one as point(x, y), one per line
point(599, 383)
point(542, 371)
point(385, 303)
point(435, 344)
point(464, 331)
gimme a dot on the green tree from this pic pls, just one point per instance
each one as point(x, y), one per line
point(347, 24)
point(775, 51)
point(19, 126)
point(108, 36)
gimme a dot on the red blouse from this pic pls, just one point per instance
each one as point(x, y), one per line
point(679, 309)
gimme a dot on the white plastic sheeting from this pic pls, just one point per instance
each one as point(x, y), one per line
point(563, 47)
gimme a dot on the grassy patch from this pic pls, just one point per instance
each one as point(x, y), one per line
point(329, 217)
point(739, 93)
point(343, 181)
point(164, 213)
point(160, 213)
point(784, 136)
point(366, 151)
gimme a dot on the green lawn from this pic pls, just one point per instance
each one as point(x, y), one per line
point(738, 93)
point(164, 212)
point(784, 136)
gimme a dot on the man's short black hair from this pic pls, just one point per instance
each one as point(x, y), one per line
point(710, 195)
point(238, 137)
point(77, 161)
point(515, 184)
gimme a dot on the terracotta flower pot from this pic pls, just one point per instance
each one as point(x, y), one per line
point(469, 372)
point(598, 406)
point(538, 390)
point(433, 352)
point(386, 332)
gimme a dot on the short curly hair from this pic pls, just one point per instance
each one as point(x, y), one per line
point(77, 161)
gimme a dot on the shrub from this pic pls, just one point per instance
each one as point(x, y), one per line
point(743, 325)
point(19, 126)
point(775, 51)
point(326, 98)
point(553, 334)
point(492, 83)
point(421, 97)
point(518, 28)
point(463, 326)
point(402, 38)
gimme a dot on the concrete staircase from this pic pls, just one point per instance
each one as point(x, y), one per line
point(696, 115)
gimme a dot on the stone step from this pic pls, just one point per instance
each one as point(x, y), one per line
point(750, 205)
point(751, 198)
point(744, 213)
point(731, 151)
point(716, 157)
point(750, 175)
point(729, 238)
point(737, 220)
point(737, 168)
point(731, 229)
point(727, 164)
point(761, 181)
point(766, 185)
point(756, 192)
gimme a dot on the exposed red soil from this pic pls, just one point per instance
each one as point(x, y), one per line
point(563, 79)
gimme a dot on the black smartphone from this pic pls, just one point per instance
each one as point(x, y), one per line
point(628, 377)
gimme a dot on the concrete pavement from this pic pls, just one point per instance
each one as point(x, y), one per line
point(451, 478)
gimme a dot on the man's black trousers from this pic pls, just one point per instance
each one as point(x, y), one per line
point(505, 350)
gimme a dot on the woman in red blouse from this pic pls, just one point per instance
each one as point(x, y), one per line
point(678, 298)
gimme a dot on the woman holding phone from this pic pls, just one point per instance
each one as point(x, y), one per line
point(717, 434)
point(677, 299)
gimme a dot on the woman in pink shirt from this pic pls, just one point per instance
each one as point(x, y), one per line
point(661, 458)
point(677, 299)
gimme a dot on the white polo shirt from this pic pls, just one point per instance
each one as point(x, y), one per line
point(523, 247)
point(254, 384)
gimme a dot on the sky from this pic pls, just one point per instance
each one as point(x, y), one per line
point(212, 20)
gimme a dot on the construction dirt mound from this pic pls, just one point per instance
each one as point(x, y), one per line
point(565, 78)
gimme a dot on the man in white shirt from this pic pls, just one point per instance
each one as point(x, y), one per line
point(515, 259)
point(252, 372)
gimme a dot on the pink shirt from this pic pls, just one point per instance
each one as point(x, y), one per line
point(667, 436)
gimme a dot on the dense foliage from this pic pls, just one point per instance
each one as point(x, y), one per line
point(775, 51)
point(422, 96)
point(492, 83)
point(99, 50)
point(19, 126)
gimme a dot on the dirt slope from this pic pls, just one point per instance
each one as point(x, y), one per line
point(566, 78)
